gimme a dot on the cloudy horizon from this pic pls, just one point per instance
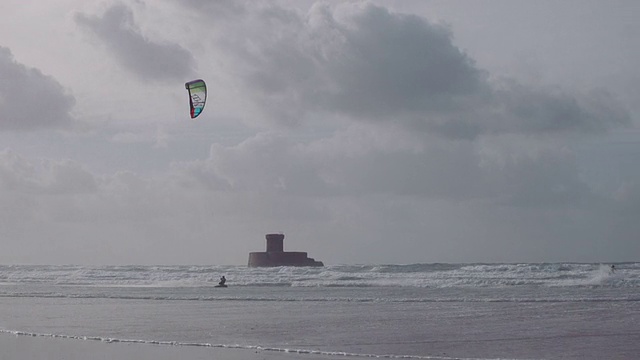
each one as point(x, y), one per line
point(365, 131)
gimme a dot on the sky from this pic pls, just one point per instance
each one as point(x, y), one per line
point(368, 132)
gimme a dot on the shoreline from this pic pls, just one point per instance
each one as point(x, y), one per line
point(22, 345)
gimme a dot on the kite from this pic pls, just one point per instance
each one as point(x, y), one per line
point(197, 96)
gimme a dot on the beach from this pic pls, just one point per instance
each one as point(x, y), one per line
point(45, 347)
point(14, 347)
point(22, 347)
point(421, 311)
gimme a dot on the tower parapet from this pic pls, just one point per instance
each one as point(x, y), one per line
point(275, 242)
point(276, 256)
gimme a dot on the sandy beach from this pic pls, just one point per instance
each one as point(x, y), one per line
point(23, 347)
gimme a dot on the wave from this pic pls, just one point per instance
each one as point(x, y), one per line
point(467, 299)
point(235, 346)
point(411, 275)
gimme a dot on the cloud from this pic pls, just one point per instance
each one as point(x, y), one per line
point(159, 137)
point(528, 110)
point(371, 161)
point(365, 185)
point(388, 64)
point(266, 163)
point(382, 134)
point(30, 100)
point(369, 64)
point(220, 10)
point(148, 59)
point(18, 174)
point(359, 188)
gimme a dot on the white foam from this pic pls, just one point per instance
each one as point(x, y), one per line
point(236, 346)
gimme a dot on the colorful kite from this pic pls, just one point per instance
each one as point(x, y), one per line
point(197, 96)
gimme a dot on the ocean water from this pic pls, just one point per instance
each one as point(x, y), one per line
point(416, 311)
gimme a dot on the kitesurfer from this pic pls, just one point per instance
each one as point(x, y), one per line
point(613, 269)
point(222, 280)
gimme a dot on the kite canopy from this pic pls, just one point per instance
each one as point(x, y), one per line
point(197, 96)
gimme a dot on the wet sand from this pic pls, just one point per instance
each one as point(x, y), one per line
point(22, 347)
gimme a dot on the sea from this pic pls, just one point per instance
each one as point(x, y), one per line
point(387, 311)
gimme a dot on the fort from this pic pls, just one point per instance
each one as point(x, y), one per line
point(276, 256)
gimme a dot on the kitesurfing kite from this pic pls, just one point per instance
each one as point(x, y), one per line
point(197, 96)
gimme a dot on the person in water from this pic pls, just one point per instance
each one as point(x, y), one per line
point(613, 269)
point(222, 280)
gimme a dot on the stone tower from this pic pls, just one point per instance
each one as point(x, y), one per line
point(276, 256)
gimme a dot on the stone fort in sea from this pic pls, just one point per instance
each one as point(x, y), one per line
point(276, 256)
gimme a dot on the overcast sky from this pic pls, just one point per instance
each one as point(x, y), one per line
point(366, 132)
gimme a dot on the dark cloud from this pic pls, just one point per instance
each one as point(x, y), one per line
point(220, 9)
point(150, 60)
point(514, 108)
point(368, 63)
point(29, 99)
point(410, 140)
point(394, 64)
point(550, 110)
